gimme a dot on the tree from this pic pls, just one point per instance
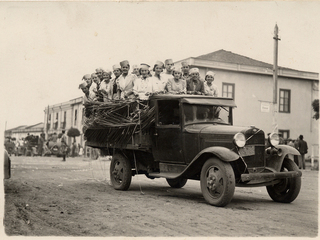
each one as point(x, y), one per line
point(73, 132)
point(315, 106)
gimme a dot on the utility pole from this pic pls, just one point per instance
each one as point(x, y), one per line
point(47, 121)
point(275, 78)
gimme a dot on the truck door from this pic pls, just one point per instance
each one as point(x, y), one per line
point(167, 146)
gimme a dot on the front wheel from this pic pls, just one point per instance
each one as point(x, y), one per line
point(177, 183)
point(217, 182)
point(120, 172)
point(287, 189)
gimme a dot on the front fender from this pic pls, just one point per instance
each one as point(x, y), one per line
point(276, 155)
point(197, 162)
point(222, 153)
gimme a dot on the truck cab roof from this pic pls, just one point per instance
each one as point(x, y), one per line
point(196, 99)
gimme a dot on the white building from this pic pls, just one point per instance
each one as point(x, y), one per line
point(63, 116)
point(250, 83)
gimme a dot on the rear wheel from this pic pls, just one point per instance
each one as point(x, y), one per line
point(120, 172)
point(177, 183)
point(217, 182)
point(287, 189)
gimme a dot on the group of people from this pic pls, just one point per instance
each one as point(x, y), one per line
point(141, 82)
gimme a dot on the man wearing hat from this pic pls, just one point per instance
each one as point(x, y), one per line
point(126, 81)
point(99, 73)
point(88, 96)
point(167, 74)
point(185, 70)
point(194, 84)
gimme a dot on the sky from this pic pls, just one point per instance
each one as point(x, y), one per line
point(47, 47)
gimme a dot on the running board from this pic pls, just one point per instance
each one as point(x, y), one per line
point(164, 175)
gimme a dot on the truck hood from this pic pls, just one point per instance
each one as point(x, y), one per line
point(222, 135)
point(204, 129)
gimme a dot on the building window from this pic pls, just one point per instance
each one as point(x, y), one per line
point(63, 123)
point(75, 116)
point(49, 121)
point(228, 90)
point(285, 134)
point(56, 122)
point(284, 101)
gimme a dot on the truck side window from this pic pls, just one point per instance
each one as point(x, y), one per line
point(168, 112)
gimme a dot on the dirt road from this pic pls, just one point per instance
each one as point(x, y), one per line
point(47, 197)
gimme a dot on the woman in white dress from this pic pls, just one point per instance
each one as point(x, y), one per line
point(158, 82)
point(106, 86)
point(141, 86)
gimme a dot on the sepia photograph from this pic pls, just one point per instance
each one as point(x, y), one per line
point(160, 119)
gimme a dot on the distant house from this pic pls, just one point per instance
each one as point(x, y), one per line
point(22, 131)
point(250, 83)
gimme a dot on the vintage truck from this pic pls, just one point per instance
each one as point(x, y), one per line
point(181, 137)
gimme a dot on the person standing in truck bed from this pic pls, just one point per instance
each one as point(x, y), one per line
point(177, 85)
point(194, 84)
point(126, 81)
point(210, 88)
point(158, 81)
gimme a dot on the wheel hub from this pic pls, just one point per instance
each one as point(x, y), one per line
point(214, 181)
point(211, 180)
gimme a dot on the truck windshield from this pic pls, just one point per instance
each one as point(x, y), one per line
point(205, 113)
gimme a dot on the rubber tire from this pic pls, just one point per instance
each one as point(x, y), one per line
point(121, 164)
point(177, 182)
point(288, 189)
point(226, 179)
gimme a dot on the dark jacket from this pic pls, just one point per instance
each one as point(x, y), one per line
point(197, 87)
point(303, 147)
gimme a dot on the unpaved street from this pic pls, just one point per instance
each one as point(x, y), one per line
point(47, 197)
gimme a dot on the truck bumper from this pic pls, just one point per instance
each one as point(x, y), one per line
point(270, 176)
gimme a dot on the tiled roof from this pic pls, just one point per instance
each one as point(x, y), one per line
point(230, 57)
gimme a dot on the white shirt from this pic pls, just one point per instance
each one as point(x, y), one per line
point(166, 76)
point(125, 84)
point(108, 88)
point(158, 85)
point(210, 90)
point(89, 98)
point(141, 87)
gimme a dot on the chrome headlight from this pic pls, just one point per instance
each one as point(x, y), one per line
point(239, 140)
point(274, 139)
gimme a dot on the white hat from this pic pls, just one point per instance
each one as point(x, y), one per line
point(210, 73)
point(194, 70)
